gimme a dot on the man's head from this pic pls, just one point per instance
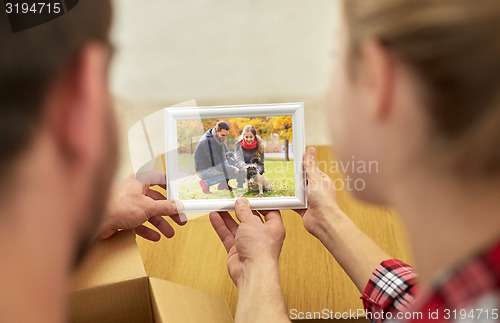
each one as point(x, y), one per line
point(222, 130)
point(56, 113)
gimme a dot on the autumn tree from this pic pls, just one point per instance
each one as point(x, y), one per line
point(282, 125)
point(189, 132)
point(265, 126)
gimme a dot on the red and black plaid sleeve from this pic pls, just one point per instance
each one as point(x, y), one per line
point(391, 288)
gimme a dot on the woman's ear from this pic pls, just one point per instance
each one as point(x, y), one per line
point(377, 76)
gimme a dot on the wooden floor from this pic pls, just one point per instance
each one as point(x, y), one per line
point(311, 278)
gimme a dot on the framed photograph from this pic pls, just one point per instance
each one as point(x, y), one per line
point(216, 154)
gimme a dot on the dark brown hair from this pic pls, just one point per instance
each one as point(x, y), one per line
point(453, 48)
point(31, 60)
point(222, 125)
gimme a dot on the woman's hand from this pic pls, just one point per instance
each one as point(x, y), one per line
point(321, 196)
point(352, 249)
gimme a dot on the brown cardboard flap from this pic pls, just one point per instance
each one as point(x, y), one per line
point(123, 302)
point(111, 285)
point(109, 261)
point(175, 303)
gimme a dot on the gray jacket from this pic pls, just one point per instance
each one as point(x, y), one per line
point(204, 158)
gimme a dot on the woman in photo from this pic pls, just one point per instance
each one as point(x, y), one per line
point(249, 148)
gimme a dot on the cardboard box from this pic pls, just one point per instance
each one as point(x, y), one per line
point(111, 285)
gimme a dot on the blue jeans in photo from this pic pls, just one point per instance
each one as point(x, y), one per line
point(214, 176)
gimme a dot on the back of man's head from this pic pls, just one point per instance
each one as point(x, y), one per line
point(31, 60)
point(57, 153)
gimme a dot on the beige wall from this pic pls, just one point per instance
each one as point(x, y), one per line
point(223, 52)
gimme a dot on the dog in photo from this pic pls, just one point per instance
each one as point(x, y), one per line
point(255, 180)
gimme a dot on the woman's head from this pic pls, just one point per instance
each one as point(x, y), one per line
point(419, 79)
point(248, 134)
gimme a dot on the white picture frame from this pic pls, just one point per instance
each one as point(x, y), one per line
point(296, 110)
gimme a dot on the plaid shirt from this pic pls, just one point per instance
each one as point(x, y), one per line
point(469, 293)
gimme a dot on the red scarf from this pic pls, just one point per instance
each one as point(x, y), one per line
point(247, 146)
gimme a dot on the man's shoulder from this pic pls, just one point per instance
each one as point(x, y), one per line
point(206, 136)
point(202, 143)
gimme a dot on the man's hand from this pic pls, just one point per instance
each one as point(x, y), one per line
point(321, 196)
point(132, 203)
point(251, 241)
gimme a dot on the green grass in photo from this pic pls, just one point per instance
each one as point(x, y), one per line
point(279, 173)
point(185, 164)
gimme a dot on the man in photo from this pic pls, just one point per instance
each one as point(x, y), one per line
point(213, 160)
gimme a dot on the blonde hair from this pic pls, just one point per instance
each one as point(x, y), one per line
point(260, 143)
point(453, 48)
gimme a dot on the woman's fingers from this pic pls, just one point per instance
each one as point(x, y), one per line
point(313, 174)
point(310, 165)
point(311, 168)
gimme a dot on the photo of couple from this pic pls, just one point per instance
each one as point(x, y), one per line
point(224, 158)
